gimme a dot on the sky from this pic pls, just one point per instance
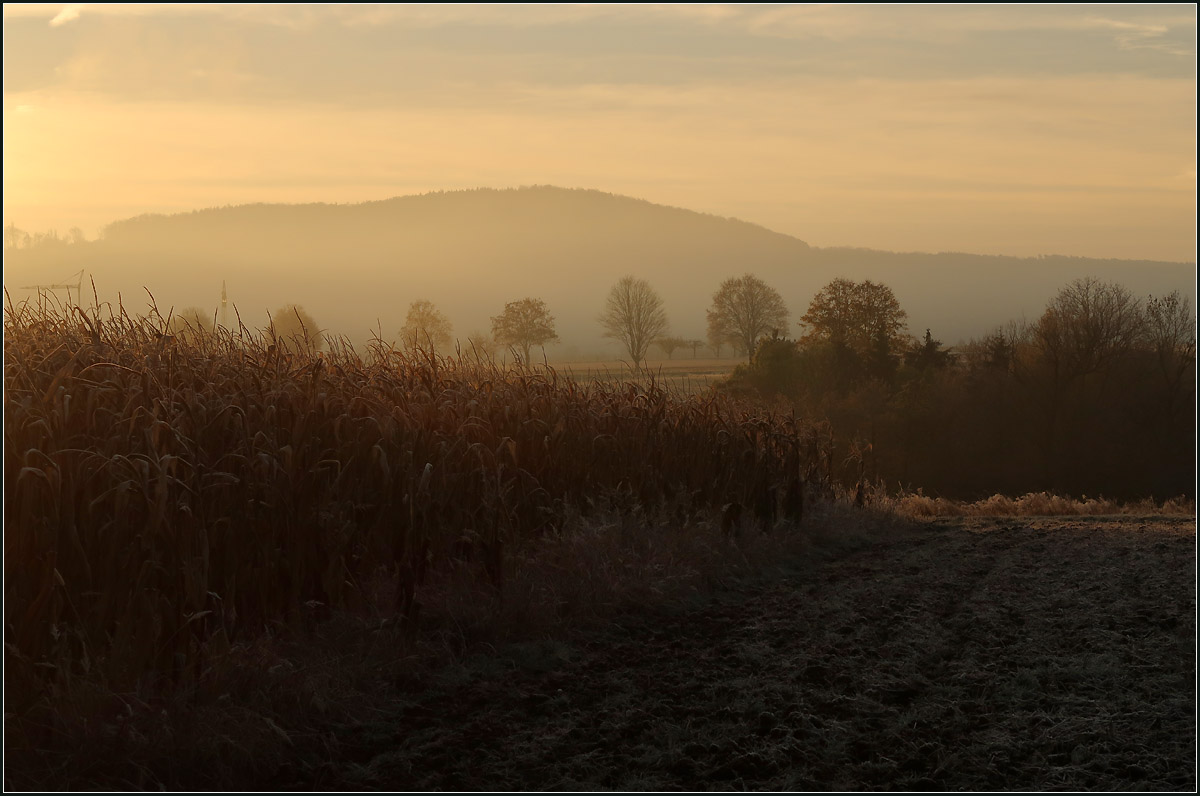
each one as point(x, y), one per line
point(1021, 130)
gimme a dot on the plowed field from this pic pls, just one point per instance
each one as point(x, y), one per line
point(1016, 653)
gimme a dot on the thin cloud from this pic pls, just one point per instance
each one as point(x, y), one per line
point(919, 23)
point(1135, 36)
point(70, 13)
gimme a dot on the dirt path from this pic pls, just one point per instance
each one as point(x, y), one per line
point(968, 654)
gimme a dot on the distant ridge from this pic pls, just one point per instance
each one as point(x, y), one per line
point(397, 205)
point(471, 251)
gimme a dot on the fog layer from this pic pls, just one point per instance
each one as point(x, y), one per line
point(357, 268)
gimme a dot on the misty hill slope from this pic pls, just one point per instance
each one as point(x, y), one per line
point(353, 266)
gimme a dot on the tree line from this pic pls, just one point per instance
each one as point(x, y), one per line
point(17, 238)
point(634, 315)
point(1097, 396)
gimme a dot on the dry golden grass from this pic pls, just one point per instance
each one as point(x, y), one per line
point(169, 497)
point(1034, 504)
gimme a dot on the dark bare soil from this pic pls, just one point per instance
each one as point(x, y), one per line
point(1046, 654)
point(965, 654)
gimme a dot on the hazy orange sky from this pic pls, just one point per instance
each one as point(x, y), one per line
point(994, 129)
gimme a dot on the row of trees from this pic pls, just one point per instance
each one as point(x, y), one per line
point(1096, 396)
point(522, 325)
point(17, 238)
point(860, 317)
point(744, 309)
point(289, 324)
point(863, 320)
point(634, 315)
point(858, 328)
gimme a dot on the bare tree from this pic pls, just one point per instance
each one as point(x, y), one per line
point(15, 238)
point(1171, 335)
point(425, 327)
point(716, 343)
point(1171, 331)
point(745, 309)
point(524, 324)
point(1086, 330)
point(1086, 326)
point(670, 344)
point(634, 315)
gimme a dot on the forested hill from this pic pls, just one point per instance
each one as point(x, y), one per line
point(470, 252)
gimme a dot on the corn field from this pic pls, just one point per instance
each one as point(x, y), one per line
point(166, 494)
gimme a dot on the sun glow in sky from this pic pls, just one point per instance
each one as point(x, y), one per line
point(1014, 130)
